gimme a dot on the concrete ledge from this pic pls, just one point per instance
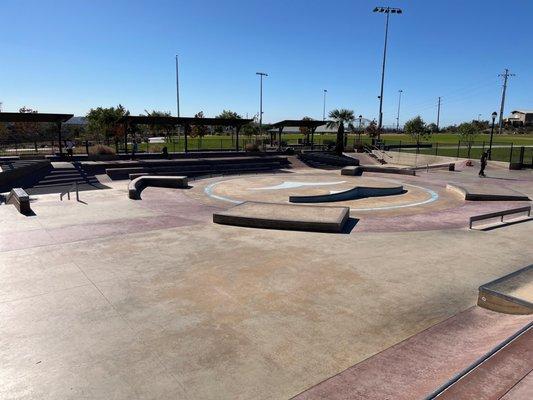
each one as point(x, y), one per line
point(510, 294)
point(448, 166)
point(20, 199)
point(285, 216)
point(137, 185)
point(358, 171)
point(481, 192)
point(357, 192)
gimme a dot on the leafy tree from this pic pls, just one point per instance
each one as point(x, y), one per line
point(102, 122)
point(339, 118)
point(229, 115)
point(160, 129)
point(306, 131)
point(417, 129)
point(433, 128)
point(198, 130)
point(468, 132)
point(26, 130)
point(4, 132)
point(372, 129)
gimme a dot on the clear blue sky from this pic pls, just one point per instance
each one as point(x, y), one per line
point(69, 56)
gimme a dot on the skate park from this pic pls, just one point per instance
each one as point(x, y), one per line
point(205, 305)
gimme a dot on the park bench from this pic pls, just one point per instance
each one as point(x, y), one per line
point(137, 185)
point(20, 199)
point(500, 214)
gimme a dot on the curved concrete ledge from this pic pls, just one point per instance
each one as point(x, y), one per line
point(20, 199)
point(481, 192)
point(510, 294)
point(357, 192)
point(285, 216)
point(137, 185)
point(358, 171)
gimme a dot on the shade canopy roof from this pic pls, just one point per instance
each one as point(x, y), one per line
point(166, 120)
point(34, 117)
point(299, 123)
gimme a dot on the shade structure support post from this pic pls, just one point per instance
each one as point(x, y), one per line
point(60, 139)
point(186, 131)
point(280, 131)
point(237, 130)
point(313, 137)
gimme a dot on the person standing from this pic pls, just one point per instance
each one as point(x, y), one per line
point(483, 162)
point(70, 148)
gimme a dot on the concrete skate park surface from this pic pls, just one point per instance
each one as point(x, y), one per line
point(122, 299)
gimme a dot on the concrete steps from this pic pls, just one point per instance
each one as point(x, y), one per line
point(61, 177)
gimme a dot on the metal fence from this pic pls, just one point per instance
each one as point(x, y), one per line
point(501, 151)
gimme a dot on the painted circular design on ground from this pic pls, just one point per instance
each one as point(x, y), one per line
point(278, 188)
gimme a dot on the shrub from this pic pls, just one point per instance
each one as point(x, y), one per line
point(100, 149)
point(251, 147)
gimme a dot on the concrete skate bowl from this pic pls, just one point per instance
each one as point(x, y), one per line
point(358, 192)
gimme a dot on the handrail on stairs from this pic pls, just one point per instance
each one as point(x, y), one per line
point(67, 192)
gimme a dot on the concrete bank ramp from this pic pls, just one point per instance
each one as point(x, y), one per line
point(285, 216)
point(486, 192)
point(510, 294)
point(357, 192)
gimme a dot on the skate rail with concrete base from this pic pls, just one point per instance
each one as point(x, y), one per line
point(285, 216)
point(137, 185)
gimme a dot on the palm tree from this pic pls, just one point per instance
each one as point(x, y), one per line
point(339, 117)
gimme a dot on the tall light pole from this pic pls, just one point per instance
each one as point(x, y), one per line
point(261, 74)
point(388, 11)
point(177, 87)
point(324, 106)
point(398, 115)
point(438, 114)
point(494, 114)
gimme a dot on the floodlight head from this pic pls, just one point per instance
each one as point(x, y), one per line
point(376, 9)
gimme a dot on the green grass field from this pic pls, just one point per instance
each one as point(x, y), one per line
point(214, 142)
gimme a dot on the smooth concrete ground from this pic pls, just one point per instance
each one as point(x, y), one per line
point(122, 299)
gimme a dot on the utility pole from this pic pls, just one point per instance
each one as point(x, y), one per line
point(438, 114)
point(324, 106)
point(177, 87)
point(505, 76)
point(261, 74)
point(398, 115)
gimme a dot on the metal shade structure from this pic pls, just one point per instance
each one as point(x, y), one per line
point(300, 123)
point(57, 119)
point(186, 122)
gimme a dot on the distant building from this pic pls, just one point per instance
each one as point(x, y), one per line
point(520, 118)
